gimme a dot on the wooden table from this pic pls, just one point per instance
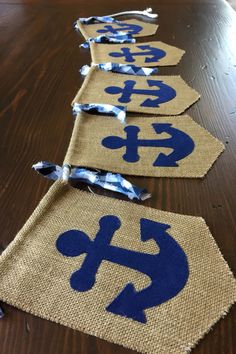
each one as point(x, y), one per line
point(40, 58)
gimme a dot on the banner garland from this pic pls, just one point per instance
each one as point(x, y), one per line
point(174, 273)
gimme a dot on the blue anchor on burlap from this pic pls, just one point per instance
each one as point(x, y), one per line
point(168, 269)
point(163, 92)
point(120, 27)
point(152, 54)
point(181, 143)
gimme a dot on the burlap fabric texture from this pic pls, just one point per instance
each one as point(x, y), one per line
point(97, 82)
point(93, 30)
point(86, 147)
point(34, 276)
point(142, 54)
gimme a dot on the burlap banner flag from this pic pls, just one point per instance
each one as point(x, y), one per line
point(146, 279)
point(140, 54)
point(160, 146)
point(154, 94)
point(134, 27)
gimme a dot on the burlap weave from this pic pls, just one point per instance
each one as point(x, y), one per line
point(86, 147)
point(34, 275)
point(90, 31)
point(101, 54)
point(93, 91)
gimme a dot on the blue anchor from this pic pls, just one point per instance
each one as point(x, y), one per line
point(152, 54)
point(127, 27)
point(168, 269)
point(180, 142)
point(164, 92)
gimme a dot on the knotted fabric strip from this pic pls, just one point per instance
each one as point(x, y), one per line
point(118, 112)
point(120, 37)
point(1, 313)
point(96, 19)
point(106, 180)
point(121, 68)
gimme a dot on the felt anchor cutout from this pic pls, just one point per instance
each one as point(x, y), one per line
point(163, 92)
point(180, 142)
point(120, 27)
point(168, 270)
point(151, 54)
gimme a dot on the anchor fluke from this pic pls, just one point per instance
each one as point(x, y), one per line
point(125, 305)
point(165, 161)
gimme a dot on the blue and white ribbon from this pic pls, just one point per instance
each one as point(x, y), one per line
point(118, 112)
point(1, 313)
point(120, 37)
point(121, 68)
point(96, 19)
point(49, 170)
point(107, 180)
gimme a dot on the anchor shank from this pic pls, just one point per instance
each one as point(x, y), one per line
point(147, 92)
point(131, 259)
point(156, 143)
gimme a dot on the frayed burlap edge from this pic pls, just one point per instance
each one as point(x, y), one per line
point(111, 340)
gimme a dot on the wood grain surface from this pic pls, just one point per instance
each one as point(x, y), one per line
point(40, 58)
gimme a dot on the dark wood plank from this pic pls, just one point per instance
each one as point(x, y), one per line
point(40, 59)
